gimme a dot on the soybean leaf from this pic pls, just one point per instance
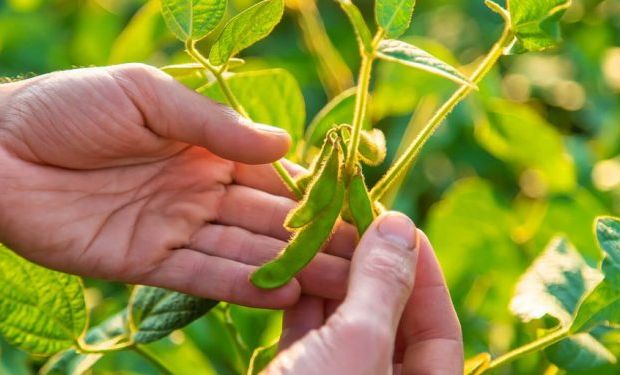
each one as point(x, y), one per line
point(245, 29)
point(338, 111)
point(553, 286)
point(357, 21)
point(394, 16)
point(72, 362)
point(41, 311)
point(414, 57)
point(536, 23)
point(540, 147)
point(154, 312)
point(602, 306)
point(261, 358)
point(269, 96)
point(192, 19)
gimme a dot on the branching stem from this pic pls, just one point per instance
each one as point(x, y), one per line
point(406, 160)
point(190, 47)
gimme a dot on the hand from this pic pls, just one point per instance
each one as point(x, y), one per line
point(386, 324)
point(124, 174)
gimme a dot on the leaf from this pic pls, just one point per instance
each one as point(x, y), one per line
point(41, 311)
point(394, 16)
point(536, 23)
point(192, 75)
point(72, 362)
point(359, 25)
point(477, 364)
point(580, 352)
point(338, 111)
point(602, 306)
point(139, 39)
point(414, 57)
point(261, 358)
point(154, 312)
point(247, 28)
point(518, 135)
point(554, 284)
point(192, 19)
point(269, 96)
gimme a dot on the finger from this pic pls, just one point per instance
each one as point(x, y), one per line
point(326, 276)
point(264, 213)
point(264, 177)
point(382, 272)
point(430, 326)
point(201, 275)
point(303, 317)
point(174, 112)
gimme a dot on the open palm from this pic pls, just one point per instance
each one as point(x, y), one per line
point(122, 173)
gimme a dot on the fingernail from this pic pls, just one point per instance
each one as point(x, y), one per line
point(398, 229)
point(269, 128)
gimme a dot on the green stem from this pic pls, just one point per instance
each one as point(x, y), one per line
point(406, 160)
point(112, 345)
point(153, 359)
point(534, 346)
point(361, 102)
point(190, 47)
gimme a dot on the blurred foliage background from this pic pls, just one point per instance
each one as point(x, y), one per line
point(535, 153)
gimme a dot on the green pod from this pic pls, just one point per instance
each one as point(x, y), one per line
point(320, 192)
point(372, 149)
point(304, 245)
point(359, 204)
point(304, 181)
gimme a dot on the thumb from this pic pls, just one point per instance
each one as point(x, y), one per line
point(174, 112)
point(382, 273)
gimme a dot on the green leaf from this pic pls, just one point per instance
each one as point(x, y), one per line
point(269, 96)
point(338, 111)
point(261, 358)
point(414, 57)
point(359, 25)
point(518, 135)
point(536, 23)
point(154, 312)
point(72, 362)
point(554, 285)
point(608, 236)
point(394, 16)
point(41, 311)
point(140, 38)
point(247, 28)
point(192, 75)
point(192, 19)
point(602, 306)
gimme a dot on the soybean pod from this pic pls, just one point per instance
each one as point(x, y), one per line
point(320, 192)
point(359, 204)
point(305, 179)
point(306, 242)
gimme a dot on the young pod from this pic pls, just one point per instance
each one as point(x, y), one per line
point(372, 149)
point(320, 191)
point(359, 204)
point(306, 242)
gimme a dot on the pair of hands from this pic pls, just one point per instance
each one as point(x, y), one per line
point(121, 173)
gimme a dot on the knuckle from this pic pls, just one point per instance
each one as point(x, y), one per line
point(391, 267)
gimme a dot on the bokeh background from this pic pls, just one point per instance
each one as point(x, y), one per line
point(535, 153)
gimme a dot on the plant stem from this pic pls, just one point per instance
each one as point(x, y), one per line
point(113, 345)
point(153, 359)
point(190, 47)
point(404, 162)
point(361, 102)
point(534, 346)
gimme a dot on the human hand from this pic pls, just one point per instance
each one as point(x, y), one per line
point(387, 323)
point(124, 174)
